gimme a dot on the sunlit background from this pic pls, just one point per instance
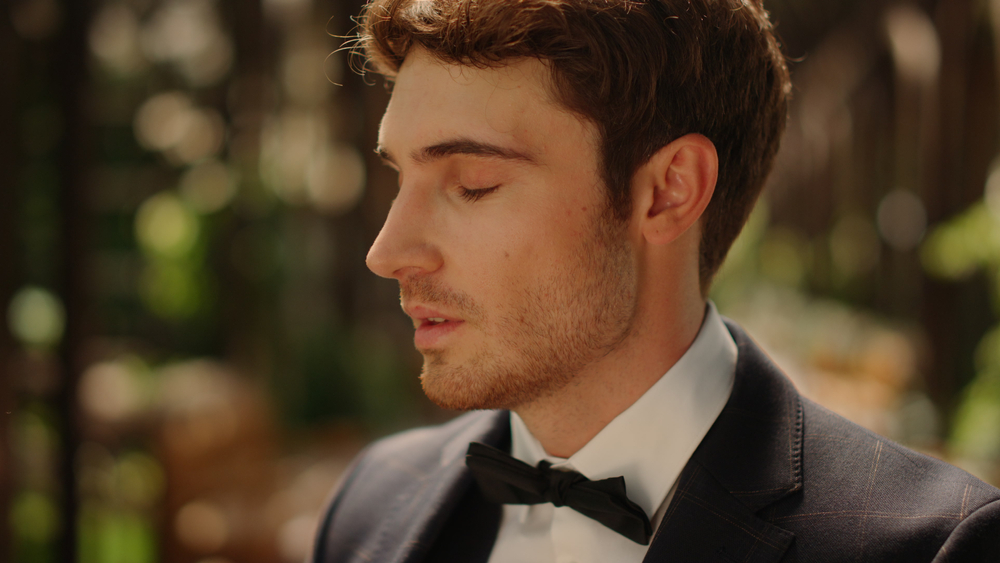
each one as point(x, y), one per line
point(192, 349)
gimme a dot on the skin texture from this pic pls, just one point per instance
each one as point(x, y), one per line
point(501, 230)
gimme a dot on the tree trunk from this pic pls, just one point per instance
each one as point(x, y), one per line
point(71, 79)
point(9, 66)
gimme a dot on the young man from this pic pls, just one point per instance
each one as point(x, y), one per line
point(571, 175)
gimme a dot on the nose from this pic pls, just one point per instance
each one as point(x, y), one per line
point(404, 246)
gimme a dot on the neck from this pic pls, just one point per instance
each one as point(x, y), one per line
point(565, 421)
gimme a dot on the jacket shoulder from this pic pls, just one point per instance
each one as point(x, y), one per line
point(384, 475)
point(846, 493)
point(880, 500)
point(977, 538)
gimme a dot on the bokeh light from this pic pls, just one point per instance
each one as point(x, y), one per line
point(902, 220)
point(113, 391)
point(187, 33)
point(141, 481)
point(202, 526)
point(161, 122)
point(37, 438)
point(969, 241)
point(976, 432)
point(991, 192)
point(109, 534)
point(209, 186)
point(171, 123)
point(199, 399)
point(335, 178)
point(914, 42)
point(171, 289)
point(34, 517)
point(118, 493)
point(203, 136)
point(166, 226)
point(114, 38)
point(36, 317)
point(289, 142)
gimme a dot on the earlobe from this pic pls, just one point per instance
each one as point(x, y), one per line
point(674, 187)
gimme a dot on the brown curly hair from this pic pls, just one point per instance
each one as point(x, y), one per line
point(644, 72)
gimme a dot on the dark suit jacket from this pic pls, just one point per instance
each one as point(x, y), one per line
point(777, 478)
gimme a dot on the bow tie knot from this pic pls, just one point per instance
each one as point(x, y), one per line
point(506, 480)
point(559, 482)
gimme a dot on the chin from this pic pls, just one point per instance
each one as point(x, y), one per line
point(460, 389)
point(481, 384)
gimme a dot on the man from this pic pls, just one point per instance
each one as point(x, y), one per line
point(571, 175)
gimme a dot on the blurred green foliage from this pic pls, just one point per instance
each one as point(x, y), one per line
point(959, 248)
point(115, 536)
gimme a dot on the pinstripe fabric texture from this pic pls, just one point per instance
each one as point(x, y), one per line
point(777, 478)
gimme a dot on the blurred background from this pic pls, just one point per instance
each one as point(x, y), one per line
point(192, 350)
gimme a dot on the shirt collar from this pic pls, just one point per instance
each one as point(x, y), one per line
point(651, 441)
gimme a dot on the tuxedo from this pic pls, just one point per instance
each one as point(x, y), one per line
point(777, 478)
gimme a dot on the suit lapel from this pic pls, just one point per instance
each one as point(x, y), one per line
point(705, 522)
point(423, 509)
point(750, 458)
point(470, 532)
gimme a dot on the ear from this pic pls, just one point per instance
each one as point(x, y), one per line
point(672, 189)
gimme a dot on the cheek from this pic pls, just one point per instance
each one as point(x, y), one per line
point(509, 248)
point(494, 267)
point(525, 247)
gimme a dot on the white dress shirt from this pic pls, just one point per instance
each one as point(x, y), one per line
point(649, 444)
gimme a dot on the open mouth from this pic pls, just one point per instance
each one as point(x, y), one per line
point(434, 332)
point(434, 321)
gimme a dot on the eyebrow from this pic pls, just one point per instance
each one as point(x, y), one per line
point(459, 146)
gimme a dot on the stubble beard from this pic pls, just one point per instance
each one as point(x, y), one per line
point(552, 331)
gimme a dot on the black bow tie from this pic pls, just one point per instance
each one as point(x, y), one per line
point(506, 480)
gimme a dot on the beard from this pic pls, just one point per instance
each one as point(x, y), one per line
point(538, 342)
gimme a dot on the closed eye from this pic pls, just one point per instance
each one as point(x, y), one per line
point(476, 195)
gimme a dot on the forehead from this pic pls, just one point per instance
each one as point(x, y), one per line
point(510, 106)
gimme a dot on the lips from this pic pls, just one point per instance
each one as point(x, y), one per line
point(433, 328)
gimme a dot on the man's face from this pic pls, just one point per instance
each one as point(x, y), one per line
point(509, 264)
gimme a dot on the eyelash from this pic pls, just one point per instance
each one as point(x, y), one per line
point(475, 195)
